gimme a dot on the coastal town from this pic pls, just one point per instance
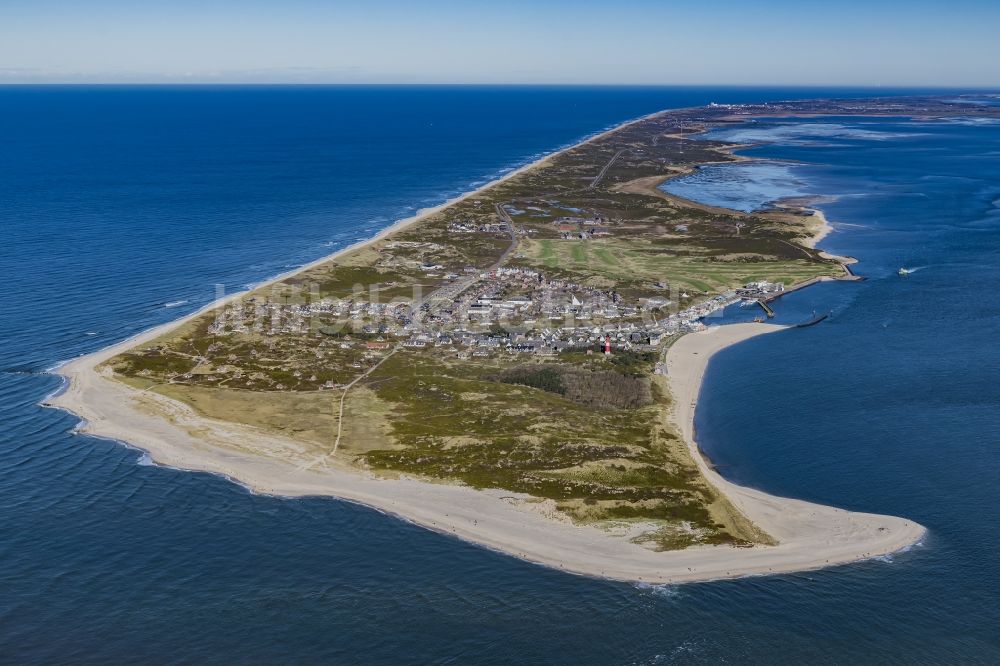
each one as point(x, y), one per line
point(506, 312)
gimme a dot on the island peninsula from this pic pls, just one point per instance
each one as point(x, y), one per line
point(518, 367)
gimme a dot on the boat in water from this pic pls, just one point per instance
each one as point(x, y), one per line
point(905, 271)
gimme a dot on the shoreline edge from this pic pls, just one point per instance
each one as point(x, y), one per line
point(810, 536)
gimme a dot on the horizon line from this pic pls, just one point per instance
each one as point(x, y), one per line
point(300, 84)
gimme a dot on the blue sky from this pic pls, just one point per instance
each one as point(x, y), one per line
point(874, 42)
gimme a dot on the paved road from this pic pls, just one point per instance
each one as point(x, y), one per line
point(445, 294)
point(448, 293)
point(599, 177)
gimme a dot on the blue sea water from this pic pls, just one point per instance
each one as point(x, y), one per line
point(747, 186)
point(121, 208)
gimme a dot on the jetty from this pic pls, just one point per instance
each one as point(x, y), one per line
point(815, 319)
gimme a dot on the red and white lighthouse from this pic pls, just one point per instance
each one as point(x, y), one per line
point(607, 344)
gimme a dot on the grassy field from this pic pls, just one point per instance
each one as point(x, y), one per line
point(309, 417)
point(682, 266)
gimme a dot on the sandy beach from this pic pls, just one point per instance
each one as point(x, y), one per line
point(809, 536)
point(823, 229)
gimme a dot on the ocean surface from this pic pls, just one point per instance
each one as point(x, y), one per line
point(124, 207)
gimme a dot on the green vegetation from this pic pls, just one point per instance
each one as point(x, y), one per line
point(460, 421)
point(543, 377)
point(303, 361)
point(708, 266)
point(590, 388)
